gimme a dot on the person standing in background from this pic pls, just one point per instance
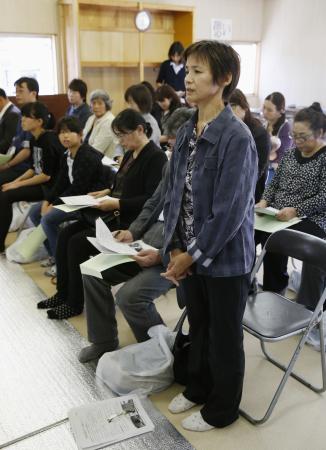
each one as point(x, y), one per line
point(172, 71)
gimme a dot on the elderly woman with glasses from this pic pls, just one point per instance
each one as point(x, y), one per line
point(298, 189)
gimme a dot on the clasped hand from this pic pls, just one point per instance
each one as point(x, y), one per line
point(178, 267)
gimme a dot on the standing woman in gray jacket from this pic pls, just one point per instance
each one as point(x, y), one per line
point(209, 215)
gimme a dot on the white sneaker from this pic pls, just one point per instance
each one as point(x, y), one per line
point(180, 404)
point(51, 272)
point(195, 422)
point(48, 262)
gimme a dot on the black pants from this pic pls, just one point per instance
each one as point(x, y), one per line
point(27, 193)
point(275, 265)
point(73, 249)
point(10, 175)
point(215, 309)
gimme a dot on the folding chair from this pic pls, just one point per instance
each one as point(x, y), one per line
point(271, 317)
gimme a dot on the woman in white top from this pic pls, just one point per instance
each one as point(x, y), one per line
point(98, 131)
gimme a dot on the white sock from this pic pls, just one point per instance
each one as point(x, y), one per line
point(180, 404)
point(195, 422)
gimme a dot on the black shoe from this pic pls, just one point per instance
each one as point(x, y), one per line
point(63, 311)
point(50, 302)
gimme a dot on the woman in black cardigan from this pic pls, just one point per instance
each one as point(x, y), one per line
point(139, 174)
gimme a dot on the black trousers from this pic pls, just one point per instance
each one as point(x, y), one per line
point(275, 266)
point(216, 366)
point(73, 249)
point(10, 175)
point(28, 193)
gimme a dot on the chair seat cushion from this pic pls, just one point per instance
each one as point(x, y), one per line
point(272, 316)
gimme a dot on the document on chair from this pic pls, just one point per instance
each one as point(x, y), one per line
point(270, 224)
point(83, 200)
point(102, 423)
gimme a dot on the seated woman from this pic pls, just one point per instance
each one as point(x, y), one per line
point(136, 180)
point(81, 171)
point(277, 125)
point(298, 189)
point(35, 183)
point(98, 129)
point(261, 137)
point(139, 99)
point(168, 101)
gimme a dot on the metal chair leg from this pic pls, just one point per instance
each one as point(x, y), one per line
point(287, 373)
point(297, 377)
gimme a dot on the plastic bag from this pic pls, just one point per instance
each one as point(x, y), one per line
point(140, 368)
point(28, 247)
point(20, 211)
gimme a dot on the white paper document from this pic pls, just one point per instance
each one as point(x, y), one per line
point(108, 244)
point(84, 200)
point(99, 263)
point(106, 161)
point(270, 224)
point(4, 159)
point(98, 424)
point(269, 211)
point(68, 208)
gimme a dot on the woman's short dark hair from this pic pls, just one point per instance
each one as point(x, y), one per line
point(70, 123)
point(141, 96)
point(166, 91)
point(314, 116)
point(278, 100)
point(36, 110)
point(129, 120)
point(222, 59)
point(80, 86)
point(175, 49)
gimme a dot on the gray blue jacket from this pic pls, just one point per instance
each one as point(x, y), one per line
point(223, 186)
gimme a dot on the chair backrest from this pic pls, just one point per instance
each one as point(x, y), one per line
point(298, 245)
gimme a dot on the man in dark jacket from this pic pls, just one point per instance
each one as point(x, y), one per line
point(9, 118)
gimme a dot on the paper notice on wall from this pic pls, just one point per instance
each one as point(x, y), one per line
point(221, 29)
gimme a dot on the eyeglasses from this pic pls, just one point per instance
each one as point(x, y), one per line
point(301, 137)
point(121, 135)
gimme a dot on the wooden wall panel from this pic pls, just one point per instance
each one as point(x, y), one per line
point(109, 46)
point(156, 46)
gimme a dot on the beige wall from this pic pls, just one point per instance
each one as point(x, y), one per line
point(29, 16)
point(41, 17)
point(246, 16)
point(293, 50)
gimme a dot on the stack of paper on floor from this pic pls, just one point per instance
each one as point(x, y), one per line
point(75, 202)
point(112, 253)
point(103, 423)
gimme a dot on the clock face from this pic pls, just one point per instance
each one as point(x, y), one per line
point(143, 20)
